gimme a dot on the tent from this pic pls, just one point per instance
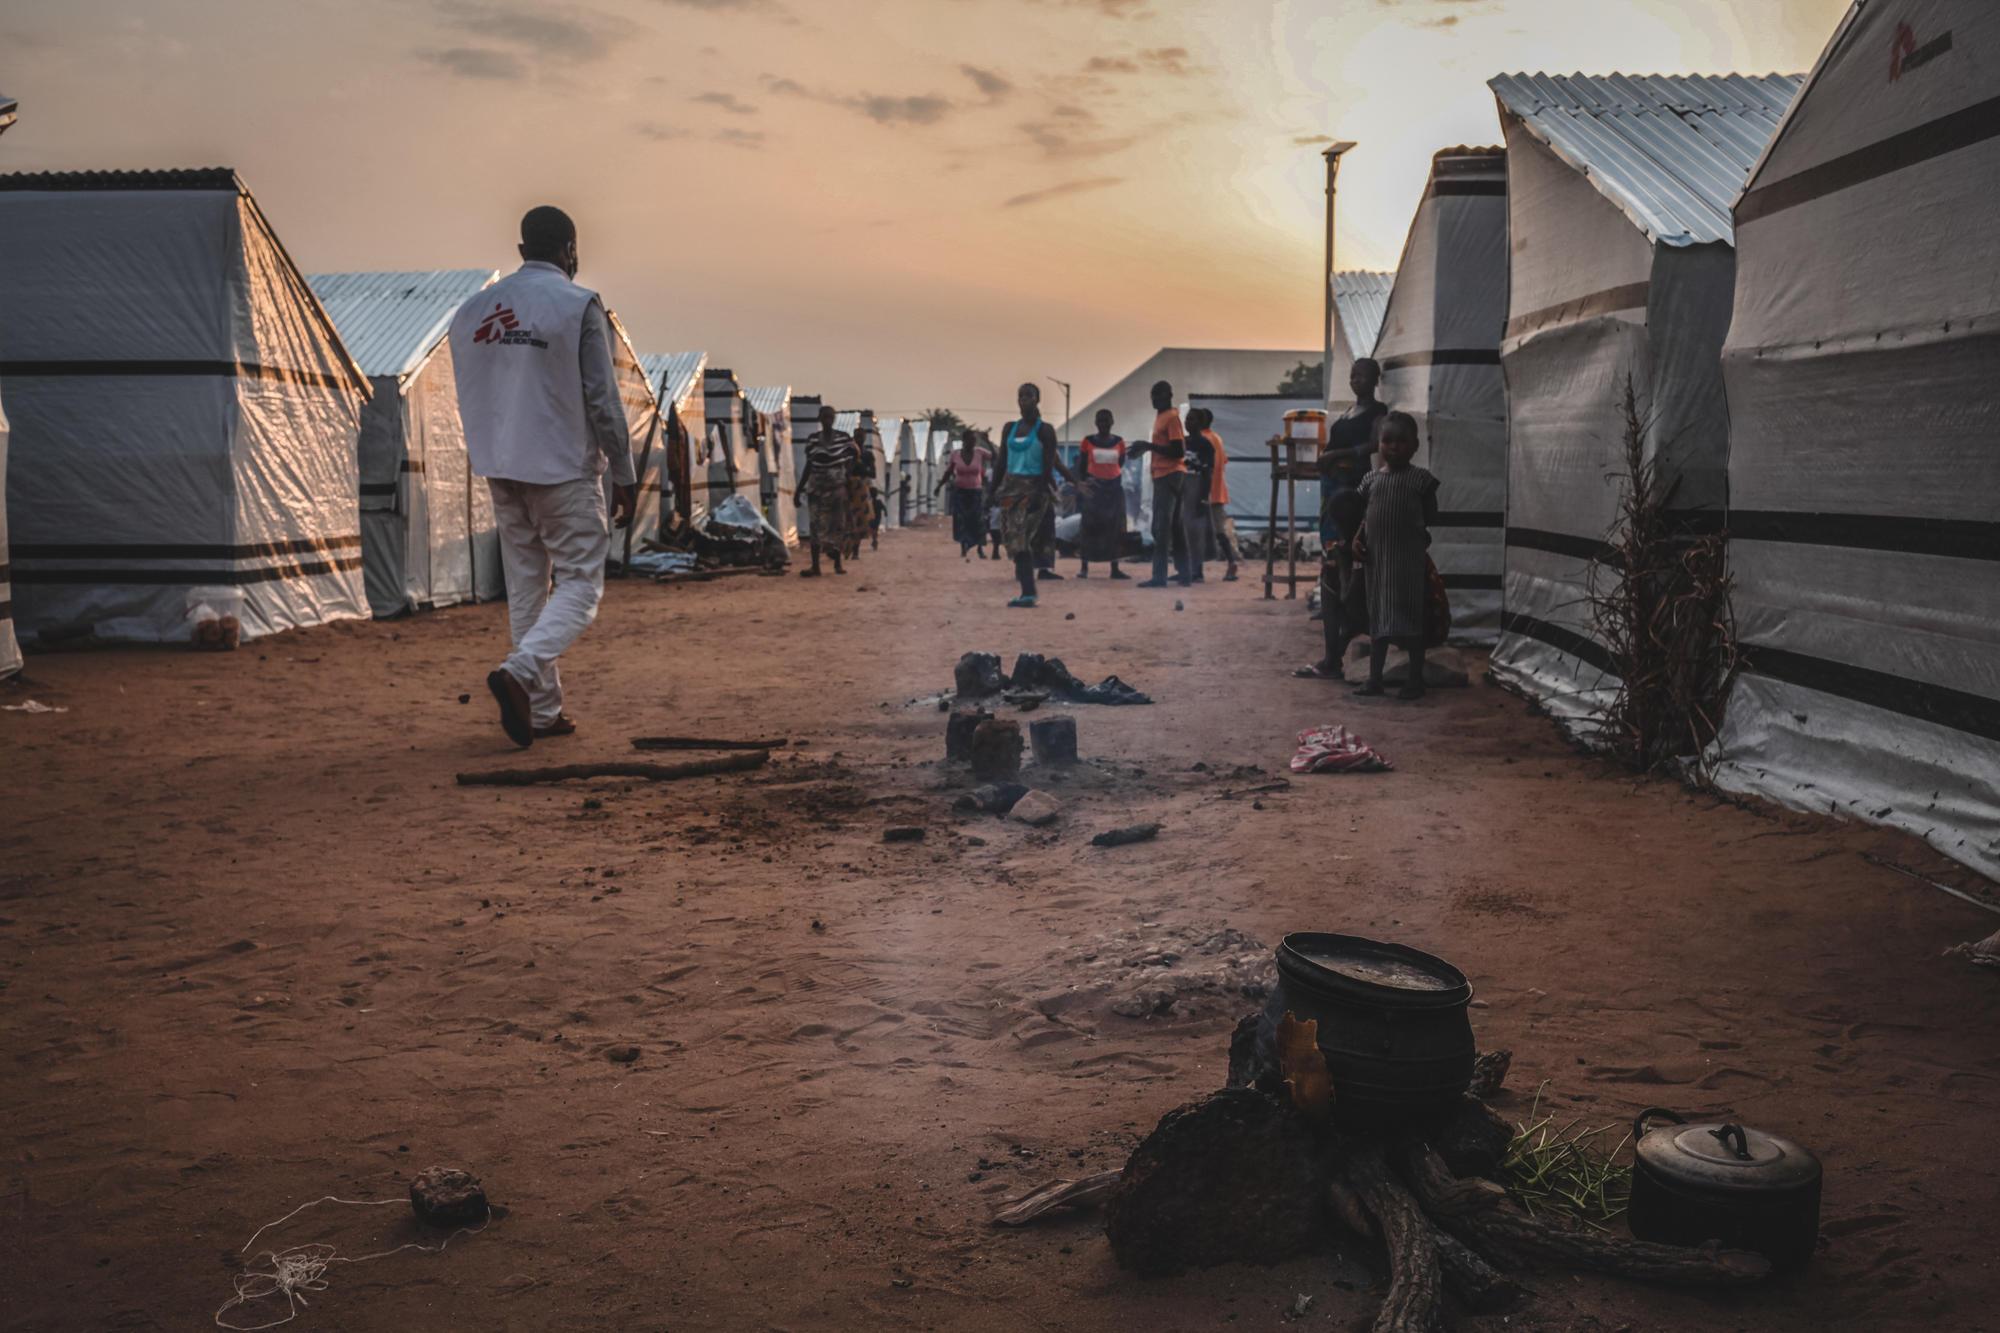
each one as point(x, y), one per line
point(1189, 370)
point(772, 408)
point(805, 420)
point(1622, 272)
point(427, 536)
point(644, 424)
point(8, 109)
point(899, 452)
point(730, 451)
point(1440, 354)
point(676, 378)
point(1863, 370)
point(184, 414)
point(1360, 298)
point(924, 474)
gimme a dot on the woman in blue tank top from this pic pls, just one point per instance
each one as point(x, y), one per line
point(1028, 464)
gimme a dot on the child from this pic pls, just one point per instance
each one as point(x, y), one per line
point(1402, 505)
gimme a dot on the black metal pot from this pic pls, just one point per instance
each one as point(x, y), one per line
point(1745, 1188)
point(1397, 1052)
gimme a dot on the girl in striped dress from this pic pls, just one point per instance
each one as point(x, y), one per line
point(1402, 505)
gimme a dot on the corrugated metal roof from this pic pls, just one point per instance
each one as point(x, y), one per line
point(1363, 298)
point(392, 321)
point(172, 178)
point(847, 421)
point(1671, 151)
point(769, 400)
point(674, 375)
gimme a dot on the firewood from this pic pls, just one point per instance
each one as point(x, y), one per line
point(699, 743)
point(1058, 1194)
point(524, 777)
point(1478, 1212)
point(1474, 1283)
point(1415, 1280)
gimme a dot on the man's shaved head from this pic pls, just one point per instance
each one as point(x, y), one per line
point(546, 231)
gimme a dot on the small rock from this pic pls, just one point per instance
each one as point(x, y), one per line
point(622, 1055)
point(447, 1196)
point(1037, 809)
point(1070, 616)
point(818, 924)
point(1179, 605)
point(975, 842)
point(903, 833)
point(465, 698)
point(995, 798)
point(1131, 833)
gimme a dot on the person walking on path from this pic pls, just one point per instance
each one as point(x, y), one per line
point(1402, 506)
point(1169, 450)
point(1028, 464)
point(965, 473)
point(1103, 536)
point(545, 425)
point(829, 465)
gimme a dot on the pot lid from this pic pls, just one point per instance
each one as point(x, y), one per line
point(1726, 1156)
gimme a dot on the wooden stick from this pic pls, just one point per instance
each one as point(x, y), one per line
point(1479, 1287)
point(1416, 1288)
point(1058, 1194)
point(697, 743)
point(526, 777)
point(1479, 1213)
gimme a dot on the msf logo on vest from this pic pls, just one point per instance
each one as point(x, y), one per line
point(501, 329)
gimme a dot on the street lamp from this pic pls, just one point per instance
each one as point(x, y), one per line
point(1332, 156)
point(1065, 388)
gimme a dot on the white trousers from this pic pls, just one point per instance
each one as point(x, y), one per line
point(549, 533)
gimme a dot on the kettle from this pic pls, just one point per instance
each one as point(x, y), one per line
point(1723, 1182)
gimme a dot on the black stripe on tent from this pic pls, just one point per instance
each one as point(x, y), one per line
point(1632, 296)
point(1585, 650)
point(6, 610)
point(1482, 582)
point(1974, 714)
point(186, 551)
point(1964, 538)
point(231, 369)
point(1947, 134)
point(235, 578)
point(1558, 543)
point(379, 487)
point(1444, 187)
point(1469, 518)
point(1444, 356)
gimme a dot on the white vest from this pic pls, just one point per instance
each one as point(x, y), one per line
point(515, 350)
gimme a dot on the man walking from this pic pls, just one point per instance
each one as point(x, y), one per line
point(544, 425)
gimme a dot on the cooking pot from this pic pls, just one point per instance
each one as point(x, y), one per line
point(1724, 1182)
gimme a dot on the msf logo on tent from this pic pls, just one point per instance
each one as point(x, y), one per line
point(501, 328)
point(1905, 55)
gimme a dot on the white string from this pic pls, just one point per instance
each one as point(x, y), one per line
point(302, 1268)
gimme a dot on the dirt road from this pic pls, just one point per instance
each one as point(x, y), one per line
point(256, 948)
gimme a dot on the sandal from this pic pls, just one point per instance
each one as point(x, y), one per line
point(1370, 691)
point(1317, 672)
point(1023, 602)
point(564, 725)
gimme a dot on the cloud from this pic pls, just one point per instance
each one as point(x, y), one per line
point(1308, 140)
point(1110, 65)
point(728, 6)
point(1171, 61)
point(475, 62)
point(991, 86)
point(658, 133)
point(785, 87)
point(884, 109)
point(557, 33)
point(1071, 132)
point(736, 138)
point(1066, 188)
point(727, 101)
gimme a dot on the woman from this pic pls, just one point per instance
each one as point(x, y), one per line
point(829, 465)
point(1104, 507)
point(1028, 464)
point(965, 473)
point(861, 489)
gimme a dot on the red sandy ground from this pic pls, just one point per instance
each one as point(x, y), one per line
point(256, 947)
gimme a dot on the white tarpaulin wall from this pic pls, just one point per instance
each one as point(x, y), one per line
point(184, 416)
point(649, 456)
point(1618, 192)
point(805, 420)
point(10, 649)
point(730, 454)
point(676, 380)
point(777, 480)
point(923, 473)
point(885, 436)
point(1440, 355)
point(427, 534)
point(1246, 422)
point(1863, 367)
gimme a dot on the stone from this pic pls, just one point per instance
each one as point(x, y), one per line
point(995, 798)
point(1037, 809)
point(978, 675)
point(996, 749)
point(448, 1196)
point(1053, 740)
point(1237, 1177)
point(903, 833)
point(622, 1055)
point(958, 731)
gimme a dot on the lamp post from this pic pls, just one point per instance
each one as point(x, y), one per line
point(1332, 156)
point(1065, 388)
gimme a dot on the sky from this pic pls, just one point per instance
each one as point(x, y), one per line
point(898, 204)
